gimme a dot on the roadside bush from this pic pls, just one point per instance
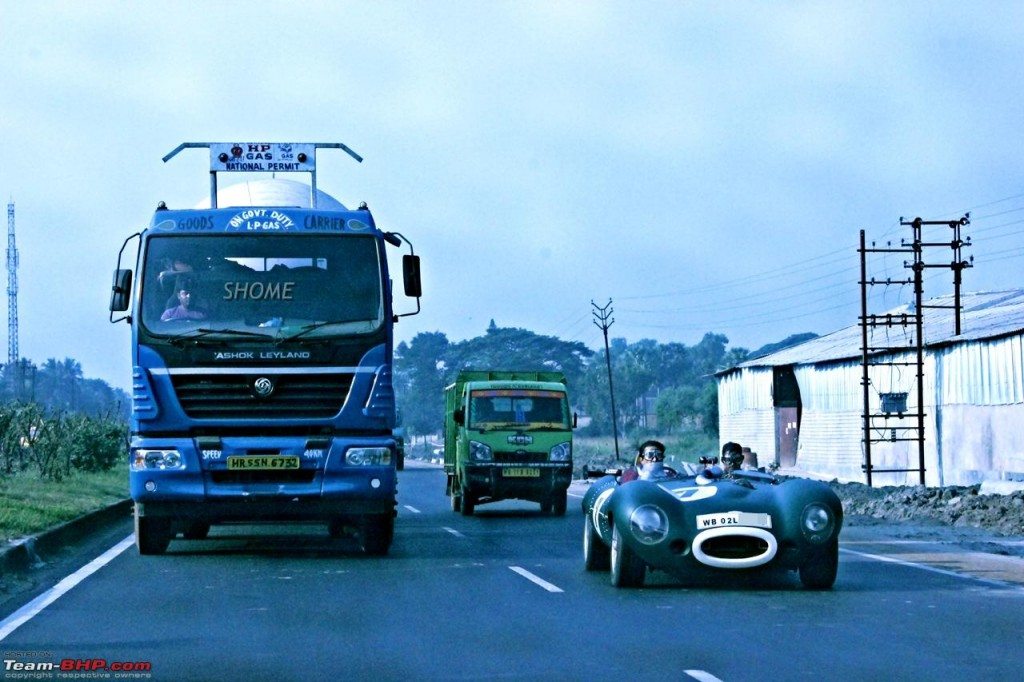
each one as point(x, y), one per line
point(56, 444)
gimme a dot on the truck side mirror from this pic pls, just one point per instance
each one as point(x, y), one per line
point(459, 415)
point(411, 275)
point(120, 292)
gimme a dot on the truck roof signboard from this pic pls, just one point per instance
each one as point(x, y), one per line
point(263, 157)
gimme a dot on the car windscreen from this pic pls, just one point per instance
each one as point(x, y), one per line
point(277, 285)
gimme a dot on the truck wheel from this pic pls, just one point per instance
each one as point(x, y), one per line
point(152, 535)
point(468, 503)
point(819, 572)
point(545, 505)
point(559, 502)
point(596, 555)
point(456, 502)
point(376, 533)
point(197, 531)
point(628, 570)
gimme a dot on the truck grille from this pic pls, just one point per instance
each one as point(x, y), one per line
point(506, 457)
point(245, 477)
point(218, 396)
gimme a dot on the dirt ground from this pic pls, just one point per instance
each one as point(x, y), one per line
point(958, 515)
point(955, 506)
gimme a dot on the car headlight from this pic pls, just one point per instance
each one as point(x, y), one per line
point(143, 459)
point(368, 456)
point(479, 452)
point(561, 452)
point(649, 524)
point(816, 522)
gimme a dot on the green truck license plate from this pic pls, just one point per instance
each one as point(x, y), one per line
point(262, 462)
point(521, 472)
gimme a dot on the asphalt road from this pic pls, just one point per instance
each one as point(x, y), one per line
point(503, 595)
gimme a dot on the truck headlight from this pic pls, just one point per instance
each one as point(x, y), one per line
point(816, 522)
point(368, 456)
point(561, 452)
point(143, 459)
point(649, 524)
point(479, 452)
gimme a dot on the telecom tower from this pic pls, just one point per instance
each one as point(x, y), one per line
point(12, 291)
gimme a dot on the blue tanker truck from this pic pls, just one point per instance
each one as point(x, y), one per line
point(261, 341)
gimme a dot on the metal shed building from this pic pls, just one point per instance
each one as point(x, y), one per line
point(803, 406)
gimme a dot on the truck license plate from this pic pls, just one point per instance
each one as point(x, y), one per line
point(262, 462)
point(734, 518)
point(521, 472)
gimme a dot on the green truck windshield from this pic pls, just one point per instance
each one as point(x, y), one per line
point(275, 285)
point(511, 408)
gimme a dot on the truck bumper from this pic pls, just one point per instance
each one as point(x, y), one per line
point(324, 487)
point(492, 481)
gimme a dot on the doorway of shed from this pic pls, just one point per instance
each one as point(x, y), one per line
point(786, 399)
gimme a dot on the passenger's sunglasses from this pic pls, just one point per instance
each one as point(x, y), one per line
point(654, 455)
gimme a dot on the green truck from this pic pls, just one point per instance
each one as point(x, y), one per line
point(508, 435)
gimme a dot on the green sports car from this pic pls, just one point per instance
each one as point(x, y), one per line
point(708, 521)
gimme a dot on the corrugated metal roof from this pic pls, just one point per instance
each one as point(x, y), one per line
point(984, 315)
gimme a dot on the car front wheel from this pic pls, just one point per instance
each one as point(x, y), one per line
point(595, 553)
point(819, 571)
point(627, 569)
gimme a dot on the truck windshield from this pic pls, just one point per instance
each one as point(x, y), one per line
point(277, 285)
point(527, 409)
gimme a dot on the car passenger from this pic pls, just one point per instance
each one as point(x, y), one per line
point(732, 457)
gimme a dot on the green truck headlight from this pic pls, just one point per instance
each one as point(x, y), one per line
point(143, 459)
point(561, 452)
point(368, 456)
point(479, 452)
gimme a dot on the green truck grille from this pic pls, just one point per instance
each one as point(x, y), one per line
point(507, 457)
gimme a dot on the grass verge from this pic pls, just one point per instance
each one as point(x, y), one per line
point(29, 505)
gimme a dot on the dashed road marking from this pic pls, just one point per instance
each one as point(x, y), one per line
point(702, 676)
point(536, 580)
point(414, 510)
point(453, 532)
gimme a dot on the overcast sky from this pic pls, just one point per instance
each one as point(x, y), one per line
point(708, 166)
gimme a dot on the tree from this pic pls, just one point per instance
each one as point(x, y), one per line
point(420, 372)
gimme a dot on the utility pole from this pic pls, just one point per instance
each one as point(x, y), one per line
point(12, 290)
point(602, 314)
point(894, 403)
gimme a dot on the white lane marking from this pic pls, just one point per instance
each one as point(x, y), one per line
point(453, 532)
point(414, 510)
point(535, 580)
point(933, 569)
point(32, 609)
point(702, 676)
point(573, 495)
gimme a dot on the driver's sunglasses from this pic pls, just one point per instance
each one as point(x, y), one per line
point(654, 455)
